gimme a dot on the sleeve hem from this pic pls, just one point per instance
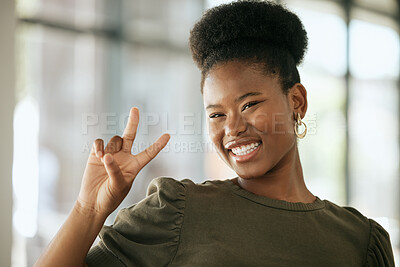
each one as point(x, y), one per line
point(100, 256)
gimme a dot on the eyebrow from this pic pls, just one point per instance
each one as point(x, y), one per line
point(240, 98)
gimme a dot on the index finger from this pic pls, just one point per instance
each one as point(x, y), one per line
point(130, 130)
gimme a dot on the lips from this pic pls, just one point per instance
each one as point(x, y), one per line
point(247, 156)
point(244, 141)
point(244, 149)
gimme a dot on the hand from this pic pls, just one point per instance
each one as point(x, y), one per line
point(109, 173)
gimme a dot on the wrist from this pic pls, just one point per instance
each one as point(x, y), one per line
point(89, 211)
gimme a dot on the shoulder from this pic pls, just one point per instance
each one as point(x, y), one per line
point(187, 185)
point(146, 233)
point(165, 184)
point(348, 222)
point(378, 248)
point(195, 195)
point(347, 215)
point(380, 251)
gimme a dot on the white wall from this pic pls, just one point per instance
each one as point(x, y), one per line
point(7, 74)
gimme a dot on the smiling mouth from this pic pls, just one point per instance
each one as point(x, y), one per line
point(245, 153)
point(245, 149)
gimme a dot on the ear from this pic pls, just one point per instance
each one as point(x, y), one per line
point(297, 97)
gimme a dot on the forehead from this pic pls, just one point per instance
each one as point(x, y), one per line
point(230, 80)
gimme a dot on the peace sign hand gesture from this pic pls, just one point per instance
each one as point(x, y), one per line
point(110, 172)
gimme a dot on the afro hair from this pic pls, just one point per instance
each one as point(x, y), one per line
point(254, 31)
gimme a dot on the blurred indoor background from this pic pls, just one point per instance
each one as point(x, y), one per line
point(81, 65)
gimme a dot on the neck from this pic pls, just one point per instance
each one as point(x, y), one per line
point(284, 181)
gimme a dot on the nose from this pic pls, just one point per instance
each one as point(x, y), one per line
point(235, 125)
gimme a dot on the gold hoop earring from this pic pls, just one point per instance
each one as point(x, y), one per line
point(297, 124)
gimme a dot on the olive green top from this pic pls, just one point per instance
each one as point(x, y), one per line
point(217, 223)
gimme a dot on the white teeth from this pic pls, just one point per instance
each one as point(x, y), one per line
point(246, 149)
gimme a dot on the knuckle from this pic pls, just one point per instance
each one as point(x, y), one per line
point(149, 154)
point(126, 146)
point(129, 136)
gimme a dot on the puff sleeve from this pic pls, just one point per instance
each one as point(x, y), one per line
point(145, 234)
point(379, 248)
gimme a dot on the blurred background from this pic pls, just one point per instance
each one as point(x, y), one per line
point(80, 65)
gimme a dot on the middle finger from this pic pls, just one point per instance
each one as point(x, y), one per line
point(114, 145)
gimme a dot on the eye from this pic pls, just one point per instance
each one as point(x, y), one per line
point(215, 115)
point(248, 105)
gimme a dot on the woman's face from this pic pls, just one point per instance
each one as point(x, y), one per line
point(250, 119)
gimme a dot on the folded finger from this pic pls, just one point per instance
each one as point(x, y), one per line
point(98, 148)
point(114, 145)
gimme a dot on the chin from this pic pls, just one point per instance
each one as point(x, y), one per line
point(249, 174)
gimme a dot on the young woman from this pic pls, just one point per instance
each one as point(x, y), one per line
point(247, 52)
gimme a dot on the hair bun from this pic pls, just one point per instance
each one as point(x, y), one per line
point(268, 22)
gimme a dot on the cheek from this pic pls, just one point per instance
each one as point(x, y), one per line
point(281, 123)
point(262, 122)
point(215, 133)
point(272, 122)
